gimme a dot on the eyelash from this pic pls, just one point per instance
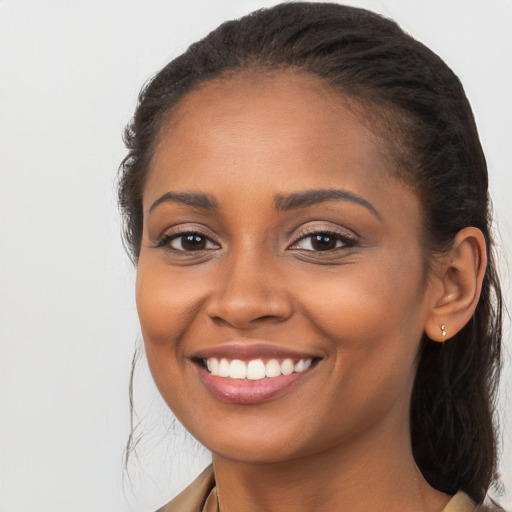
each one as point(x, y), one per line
point(345, 240)
point(341, 240)
point(167, 240)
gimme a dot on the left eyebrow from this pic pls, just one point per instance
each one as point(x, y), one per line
point(194, 199)
point(312, 197)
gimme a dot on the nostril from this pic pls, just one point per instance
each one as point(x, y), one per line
point(269, 317)
point(248, 307)
point(219, 319)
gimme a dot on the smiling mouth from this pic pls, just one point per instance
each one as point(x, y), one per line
point(255, 369)
point(252, 380)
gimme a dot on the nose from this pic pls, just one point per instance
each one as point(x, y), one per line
point(250, 292)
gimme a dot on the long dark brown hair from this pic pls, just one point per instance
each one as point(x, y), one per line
point(422, 110)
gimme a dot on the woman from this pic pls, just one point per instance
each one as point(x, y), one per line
point(305, 196)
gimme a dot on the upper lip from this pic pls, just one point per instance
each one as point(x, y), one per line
point(252, 350)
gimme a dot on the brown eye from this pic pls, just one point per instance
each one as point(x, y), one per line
point(190, 242)
point(323, 242)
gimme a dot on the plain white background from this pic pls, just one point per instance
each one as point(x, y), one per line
point(70, 72)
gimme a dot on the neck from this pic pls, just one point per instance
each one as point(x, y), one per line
point(375, 472)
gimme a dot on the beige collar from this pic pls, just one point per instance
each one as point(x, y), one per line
point(201, 496)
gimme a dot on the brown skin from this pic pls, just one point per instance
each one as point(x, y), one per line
point(339, 439)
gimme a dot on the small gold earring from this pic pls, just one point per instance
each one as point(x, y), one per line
point(443, 332)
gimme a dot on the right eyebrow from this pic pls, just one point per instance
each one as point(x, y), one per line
point(194, 199)
point(316, 196)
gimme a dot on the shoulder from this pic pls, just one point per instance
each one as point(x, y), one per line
point(193, 497)
point(490, 506)
point(461, 502)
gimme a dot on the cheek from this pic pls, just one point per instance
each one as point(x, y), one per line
point(165, 310)
point(166, 304)
point(374, 326)
point(368, 298)
point(373, 313)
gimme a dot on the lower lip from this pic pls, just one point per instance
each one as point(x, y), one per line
point(241, 391)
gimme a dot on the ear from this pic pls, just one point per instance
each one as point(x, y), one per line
point(459, 279)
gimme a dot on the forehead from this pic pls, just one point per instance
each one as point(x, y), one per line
point(246, 141)
point(261, 98)
point(283, 120)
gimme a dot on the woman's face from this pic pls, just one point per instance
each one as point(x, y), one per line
point(277, 240)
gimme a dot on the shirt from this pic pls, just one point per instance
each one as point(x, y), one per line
point(200, 496)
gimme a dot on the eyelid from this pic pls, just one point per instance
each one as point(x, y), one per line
point(183, 230)
point(347, 238)
point(170, 239)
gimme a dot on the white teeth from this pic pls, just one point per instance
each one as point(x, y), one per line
point(224, 368)
point(299, 367)
point(255, 369)
point(302, 365)
point(273, 368)
point(237, 369)
point(287, 367)
point(213, 366)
